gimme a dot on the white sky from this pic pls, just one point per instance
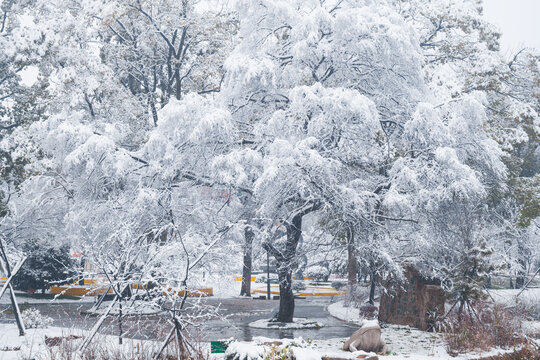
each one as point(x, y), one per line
point(518, 20)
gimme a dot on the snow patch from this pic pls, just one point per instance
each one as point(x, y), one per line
point(348, 314)
point(298, 323)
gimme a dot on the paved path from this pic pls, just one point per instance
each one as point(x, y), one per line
point(238, 312)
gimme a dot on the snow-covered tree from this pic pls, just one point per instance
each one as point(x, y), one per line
point(309, 85)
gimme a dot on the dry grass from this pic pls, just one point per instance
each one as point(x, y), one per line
point(490, 326)
point(107, 348)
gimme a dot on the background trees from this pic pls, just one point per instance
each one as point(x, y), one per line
point(176, 131)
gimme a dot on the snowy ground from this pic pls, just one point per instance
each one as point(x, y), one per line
point(132, 308)
point(508, 296)
point(225, 287)
point(23, 297)
point(348, 314)
point(403, 342)
point(33, 346)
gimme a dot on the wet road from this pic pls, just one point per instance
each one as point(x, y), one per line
point(238, 314)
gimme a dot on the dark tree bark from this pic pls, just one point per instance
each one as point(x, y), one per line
point(373, 279)
point(285, 259)
point(351, 258)
point(246, 270)
point(522, 272)
point(286, 296)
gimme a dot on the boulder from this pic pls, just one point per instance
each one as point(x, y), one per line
point(367, 338)
point(417, 303)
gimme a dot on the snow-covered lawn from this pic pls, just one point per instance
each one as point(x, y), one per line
point(508, 296)
point(348, 314)
point(403, 343)
point(23, 297)
point(32, 345)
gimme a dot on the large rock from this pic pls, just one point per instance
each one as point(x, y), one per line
point(416, 303)
point(367, 338)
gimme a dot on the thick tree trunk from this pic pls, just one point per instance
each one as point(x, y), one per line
point(351, 261)
point(285, 259)
point(246, 270)
point(286, 296)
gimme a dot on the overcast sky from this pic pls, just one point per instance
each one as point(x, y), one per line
point(518, 20)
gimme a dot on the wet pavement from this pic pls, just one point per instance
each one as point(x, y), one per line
point(238, 314)
point(237, 326)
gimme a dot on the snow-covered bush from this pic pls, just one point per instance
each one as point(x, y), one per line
point(298, 286)
point(277, 353)
point(32, 318)
point(319, 273)
point(368, 311)
point(240, 350)
point(338, 284)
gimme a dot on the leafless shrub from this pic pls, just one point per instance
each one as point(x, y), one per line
point(356, 296)
point(107, 348)
point(486, 326)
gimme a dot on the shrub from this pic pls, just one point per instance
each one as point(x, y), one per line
point(32, 318)
point(298, 285)
point(277, 353)
point(319, 273)
point(45, 264)
point(338, 284)
point(368, 311)
point(357, 296)
point(489, 325)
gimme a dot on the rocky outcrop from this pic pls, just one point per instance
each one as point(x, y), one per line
point(416, 303)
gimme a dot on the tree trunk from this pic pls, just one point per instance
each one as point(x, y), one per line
point(522, 272)
point(153, 110)
point(373, 279)
point(286, 296)
point(351, 261)
point(246, 270)
point(285, 259)
point(178, 87)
